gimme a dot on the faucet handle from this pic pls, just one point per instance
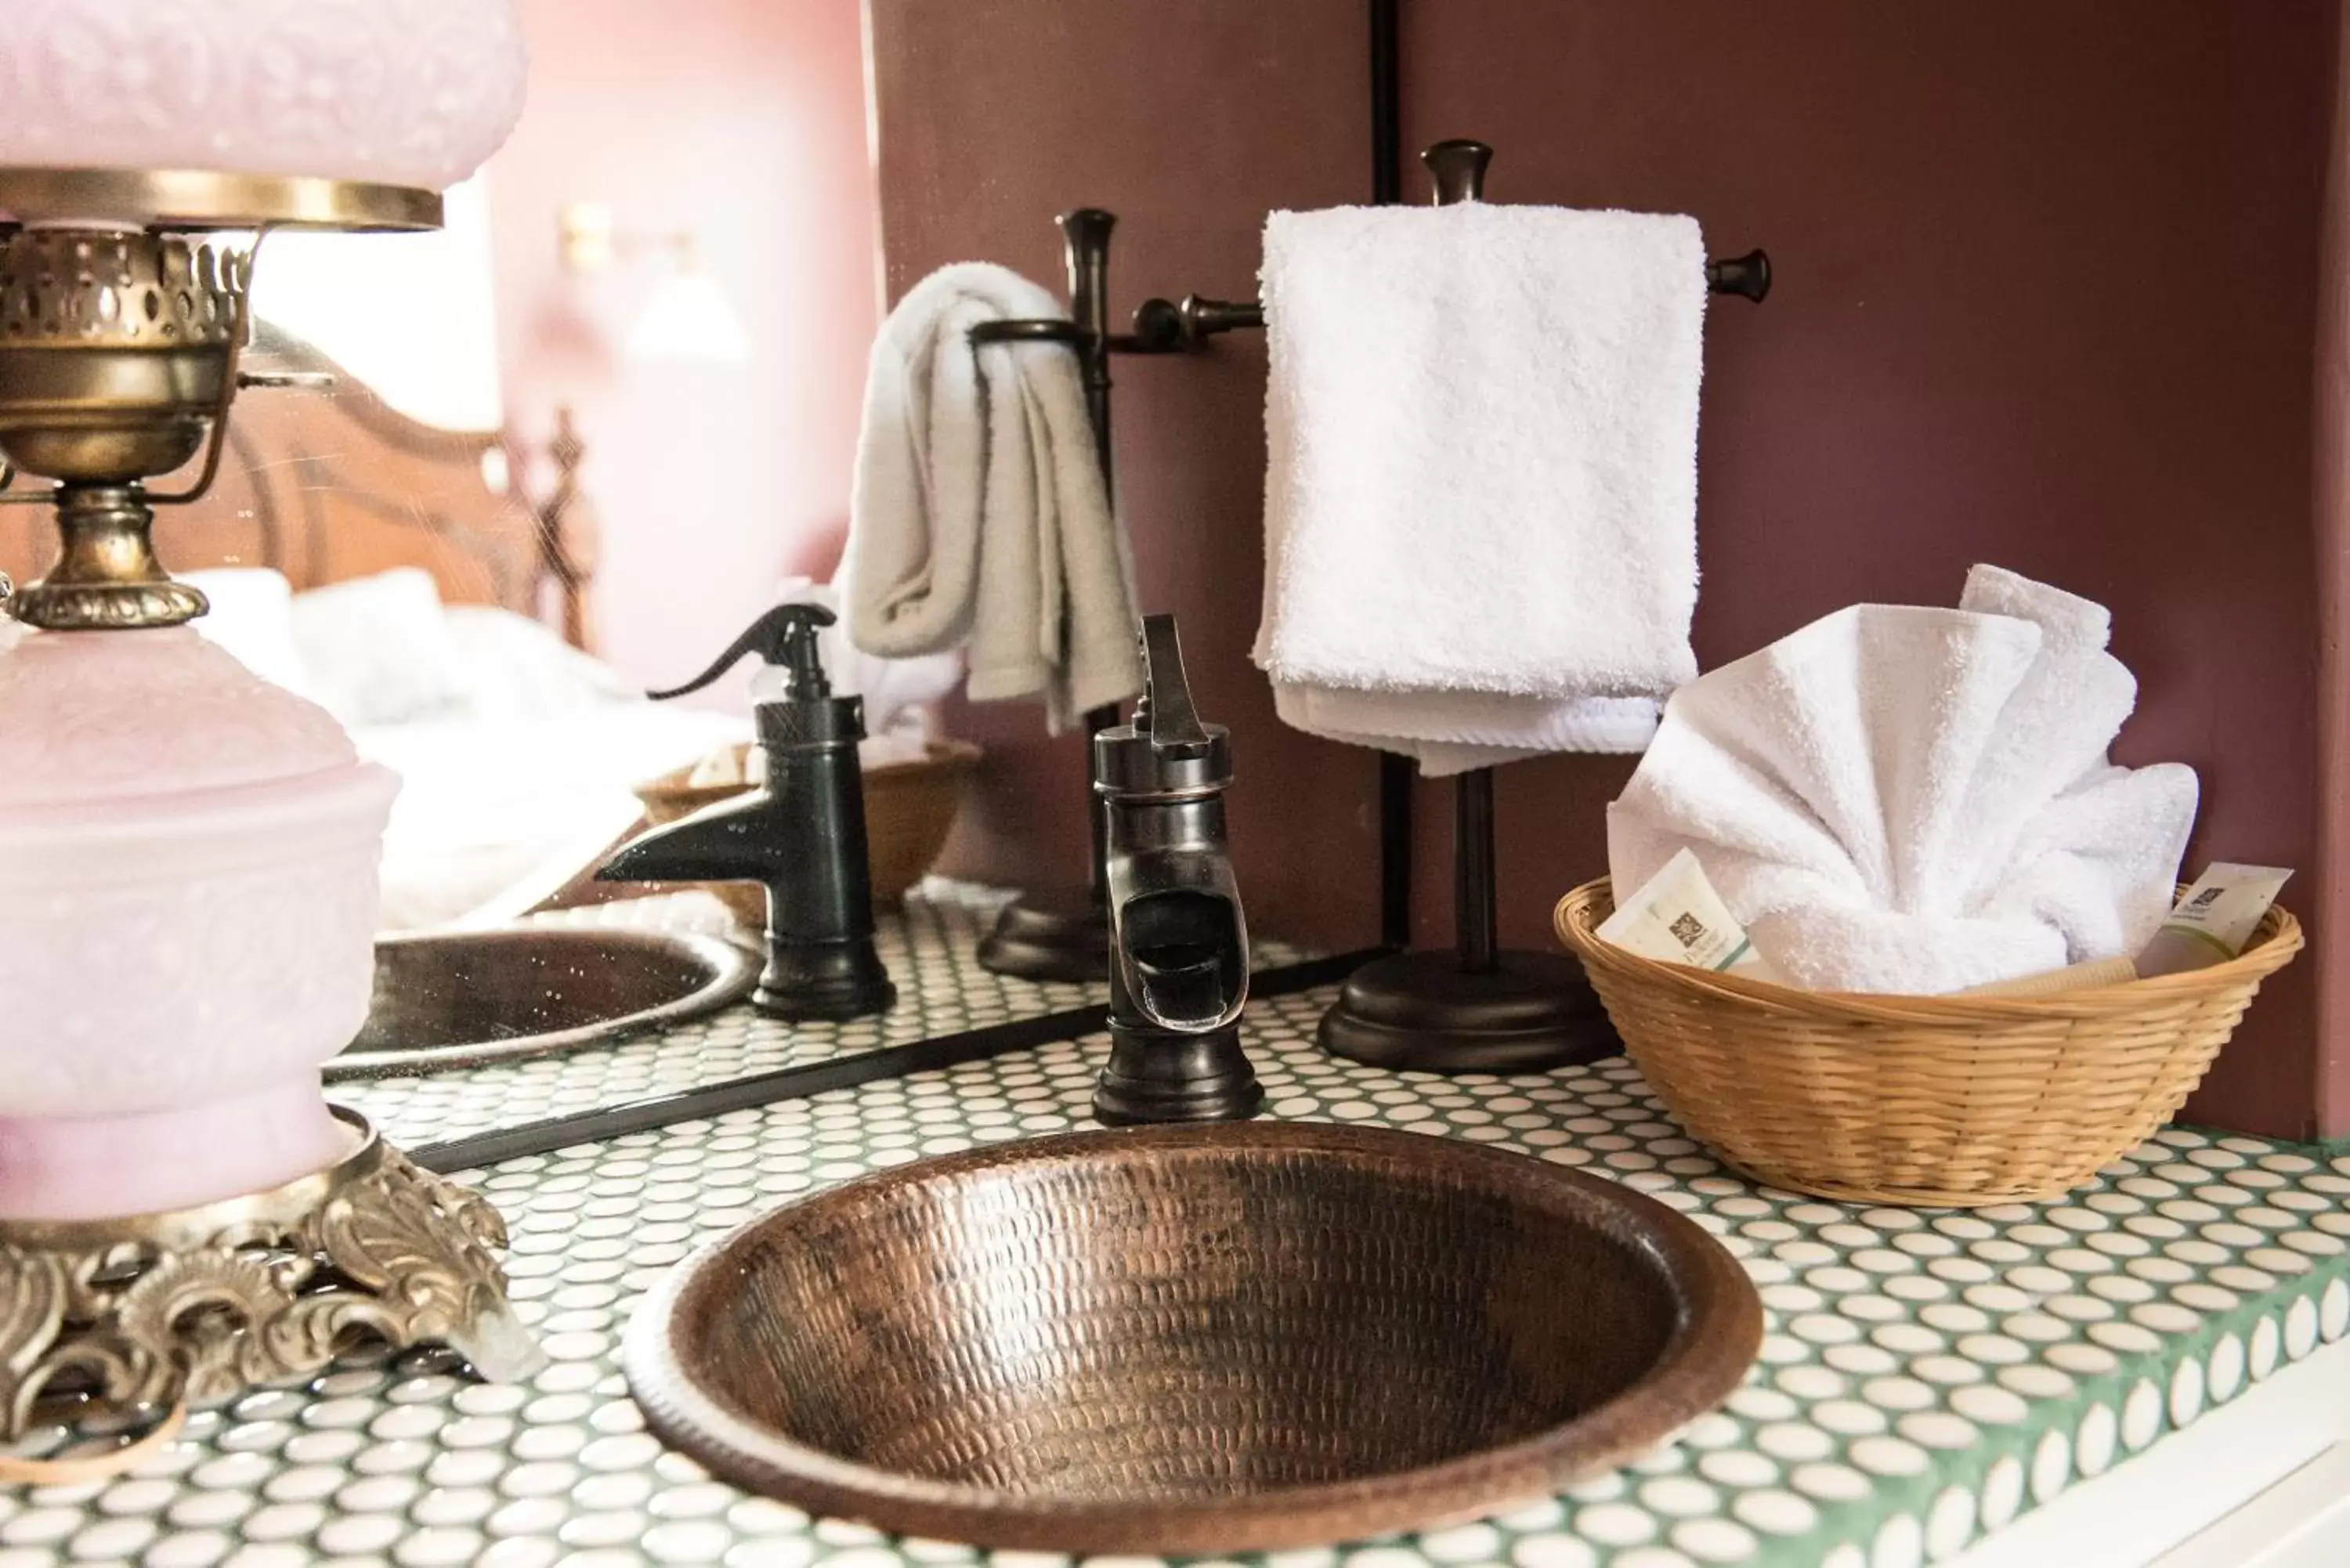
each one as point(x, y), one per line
point(1166, 690)
point(786, 638)
point(1165, 750)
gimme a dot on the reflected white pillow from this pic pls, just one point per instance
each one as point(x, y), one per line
point(252, 618)
point(517, 667)
point(378, 650)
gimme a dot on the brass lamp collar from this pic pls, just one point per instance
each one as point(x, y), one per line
point(194, 200)
point(121, 331)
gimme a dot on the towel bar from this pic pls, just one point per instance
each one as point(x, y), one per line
point(1166, 327)
point(1457, 170)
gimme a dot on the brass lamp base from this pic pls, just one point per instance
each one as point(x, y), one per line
point(199, 1304)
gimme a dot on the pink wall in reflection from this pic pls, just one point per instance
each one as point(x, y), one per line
point(744, 121)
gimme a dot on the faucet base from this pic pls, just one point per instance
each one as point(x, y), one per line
point(1421, 1011)
point(823, 981)
point(1159, 1075)
point(1055, 933)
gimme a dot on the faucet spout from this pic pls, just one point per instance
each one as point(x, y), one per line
point(1179, 940)
point(726, 842)
point(1185, 959)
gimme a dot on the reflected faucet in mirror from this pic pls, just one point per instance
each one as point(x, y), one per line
point(802, 834)
point(1179, 969)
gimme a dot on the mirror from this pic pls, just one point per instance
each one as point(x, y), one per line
point(572, 441)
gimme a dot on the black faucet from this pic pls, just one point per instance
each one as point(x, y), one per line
point(1179, 959)
point(803, 834)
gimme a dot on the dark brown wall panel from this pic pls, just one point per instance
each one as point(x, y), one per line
point(2047, 290)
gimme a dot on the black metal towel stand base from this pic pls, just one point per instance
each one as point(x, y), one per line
point(1477, 1008)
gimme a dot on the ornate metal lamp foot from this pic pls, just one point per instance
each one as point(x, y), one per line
point(197, 1304)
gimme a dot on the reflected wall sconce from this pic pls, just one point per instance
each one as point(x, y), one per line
point(687, 317)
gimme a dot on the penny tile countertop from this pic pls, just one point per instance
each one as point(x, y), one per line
point(1928, 1376)
point(929, 943)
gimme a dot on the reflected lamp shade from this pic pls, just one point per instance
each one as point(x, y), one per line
point(689, 317)
point(400, 92)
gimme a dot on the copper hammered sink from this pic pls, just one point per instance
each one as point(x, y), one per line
point(1197, 1339)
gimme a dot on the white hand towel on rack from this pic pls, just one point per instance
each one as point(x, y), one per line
point(1481, 491)
point(978, 515)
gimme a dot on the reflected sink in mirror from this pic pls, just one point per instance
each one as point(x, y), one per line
point(468, 998)
point(1196, 1339)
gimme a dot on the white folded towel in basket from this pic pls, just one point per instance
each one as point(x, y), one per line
point(1916, 800)
point(979, 518)
point(1480, 490)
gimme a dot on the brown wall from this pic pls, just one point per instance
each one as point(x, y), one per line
point(2047, 292)
point(2327, 889)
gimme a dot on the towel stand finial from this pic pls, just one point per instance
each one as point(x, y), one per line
point(1458, 167)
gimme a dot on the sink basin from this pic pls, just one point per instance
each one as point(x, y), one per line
point(1196, 1339)
point(465, 998)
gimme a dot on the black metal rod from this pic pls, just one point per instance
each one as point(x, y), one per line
point(1085, 240)
point(1395, 850)
point(1386, 108)
point(1042, 330)
point(1476, 910)
point(841, 1073)
point(1387, 189)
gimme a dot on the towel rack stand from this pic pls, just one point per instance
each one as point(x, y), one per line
point(1478, 1008)
point(1062, 933)
point(1457, 170)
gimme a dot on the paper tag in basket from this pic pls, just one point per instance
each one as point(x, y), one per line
point(1676, 916)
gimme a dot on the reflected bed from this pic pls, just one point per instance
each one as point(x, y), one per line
point(439, 606)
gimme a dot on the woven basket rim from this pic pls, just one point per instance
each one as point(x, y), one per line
point(1579, 913)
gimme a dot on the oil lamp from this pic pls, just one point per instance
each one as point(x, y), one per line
point(187, 853)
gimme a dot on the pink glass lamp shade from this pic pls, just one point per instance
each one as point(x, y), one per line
point(400, 92)
point(187, 916)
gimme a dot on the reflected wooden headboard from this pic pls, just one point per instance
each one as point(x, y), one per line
point(326, 485)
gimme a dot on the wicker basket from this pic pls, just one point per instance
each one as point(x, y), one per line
point(1933, 1101)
